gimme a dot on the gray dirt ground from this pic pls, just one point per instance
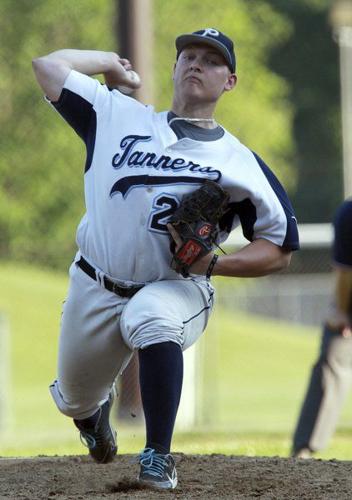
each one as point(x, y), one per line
point(200, 476)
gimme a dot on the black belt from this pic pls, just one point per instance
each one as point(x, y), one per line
point(122, 291)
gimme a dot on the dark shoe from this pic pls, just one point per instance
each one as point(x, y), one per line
point(97, 434)
point(157, 470)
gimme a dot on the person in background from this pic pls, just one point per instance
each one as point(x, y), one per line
point(331, 375)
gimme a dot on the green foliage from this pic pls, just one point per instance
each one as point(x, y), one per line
point(308, 60)
point(41, 194)
point(258, 111)
point(41, 162)
point(285, 106)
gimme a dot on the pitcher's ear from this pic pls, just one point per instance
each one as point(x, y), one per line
point(231, 82)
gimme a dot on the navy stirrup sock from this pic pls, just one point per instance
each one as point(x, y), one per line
point(160, 377)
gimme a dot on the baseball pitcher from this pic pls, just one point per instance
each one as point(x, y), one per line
point(162, 191)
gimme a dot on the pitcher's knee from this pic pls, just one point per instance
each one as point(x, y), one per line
point(75, 407)
point(139, 333)
point(58, 398)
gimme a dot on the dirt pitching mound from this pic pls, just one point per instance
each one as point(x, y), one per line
point(200, 476)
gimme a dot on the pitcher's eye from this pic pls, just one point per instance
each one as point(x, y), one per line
point(212, 61)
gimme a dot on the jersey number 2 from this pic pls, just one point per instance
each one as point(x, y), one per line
point(164, 205)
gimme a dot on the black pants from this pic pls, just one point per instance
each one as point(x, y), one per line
point(330, 380)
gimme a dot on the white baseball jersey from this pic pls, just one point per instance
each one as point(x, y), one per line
point(137, 172)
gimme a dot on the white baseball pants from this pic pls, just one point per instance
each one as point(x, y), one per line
point(100, 330)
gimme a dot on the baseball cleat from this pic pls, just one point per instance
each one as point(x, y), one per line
point(157, 470)
point(97, 434)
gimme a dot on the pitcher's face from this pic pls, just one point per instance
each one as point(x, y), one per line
point(201, 74)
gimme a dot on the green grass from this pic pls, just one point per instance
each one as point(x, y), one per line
point(252, 382)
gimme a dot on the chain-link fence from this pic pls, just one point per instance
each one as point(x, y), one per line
point(301, 293)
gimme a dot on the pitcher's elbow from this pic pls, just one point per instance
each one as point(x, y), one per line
point(38, 64)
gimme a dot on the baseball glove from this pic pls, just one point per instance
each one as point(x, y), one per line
point(196, 222)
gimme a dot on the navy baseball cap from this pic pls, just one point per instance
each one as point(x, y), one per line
point(212, 37)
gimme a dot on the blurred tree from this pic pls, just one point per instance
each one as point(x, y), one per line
point(41, 189)
point(308, 60)
point(41, 197)
point(258, 111)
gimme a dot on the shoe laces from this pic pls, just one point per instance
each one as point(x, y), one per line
point(154, 462)
point(90, 441)
point(87, 439)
